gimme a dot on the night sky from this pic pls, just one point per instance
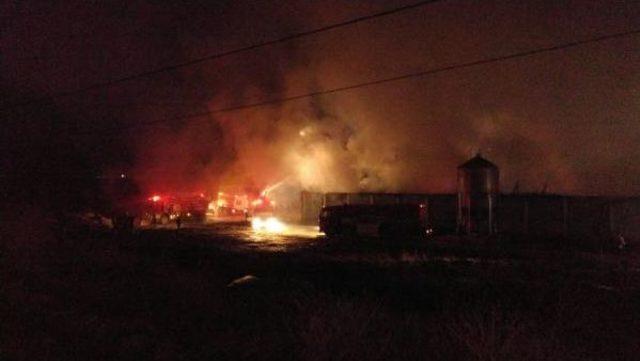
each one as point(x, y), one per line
point(566, 120)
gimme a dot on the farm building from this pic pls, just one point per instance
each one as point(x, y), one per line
point(479, 208)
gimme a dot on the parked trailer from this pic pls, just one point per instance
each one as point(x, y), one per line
point(383, 220)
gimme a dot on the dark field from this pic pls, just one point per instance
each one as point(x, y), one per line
point(164, 295)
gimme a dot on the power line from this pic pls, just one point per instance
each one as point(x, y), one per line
point(203, 59)
point(436, 70)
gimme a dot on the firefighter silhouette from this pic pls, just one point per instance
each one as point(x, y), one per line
point(178, 221)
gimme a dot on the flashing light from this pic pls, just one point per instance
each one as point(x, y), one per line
point(155, 198)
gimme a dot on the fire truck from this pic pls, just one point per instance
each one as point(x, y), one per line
point(160, 209)
point(239, 207)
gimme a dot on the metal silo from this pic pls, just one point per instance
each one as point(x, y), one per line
point(478, 190)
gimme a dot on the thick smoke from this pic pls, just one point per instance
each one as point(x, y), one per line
point(408, 136)
point(326, 145)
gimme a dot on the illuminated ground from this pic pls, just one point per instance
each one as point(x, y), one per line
point(306, 241)
point(241, 237)
point(291, 237)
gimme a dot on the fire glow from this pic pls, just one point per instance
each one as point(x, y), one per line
point(268, 225)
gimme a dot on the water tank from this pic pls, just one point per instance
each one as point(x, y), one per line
point(478, 191)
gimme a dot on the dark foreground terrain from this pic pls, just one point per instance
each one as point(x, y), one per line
point(166, 295)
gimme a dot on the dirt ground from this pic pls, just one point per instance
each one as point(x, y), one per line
point(162, 294)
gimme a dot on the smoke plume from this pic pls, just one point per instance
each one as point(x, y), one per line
point(406, 136)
